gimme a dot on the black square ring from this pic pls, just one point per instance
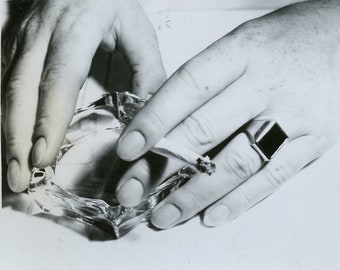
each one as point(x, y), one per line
point(266, 137)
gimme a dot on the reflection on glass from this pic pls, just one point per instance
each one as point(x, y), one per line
point(111, 218)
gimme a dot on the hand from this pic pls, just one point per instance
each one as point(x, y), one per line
point(282, 66)
point(47, 60)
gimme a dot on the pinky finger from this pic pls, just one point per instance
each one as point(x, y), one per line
point(283, 166)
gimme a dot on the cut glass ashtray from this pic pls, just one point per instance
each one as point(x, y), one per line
point(74, 186)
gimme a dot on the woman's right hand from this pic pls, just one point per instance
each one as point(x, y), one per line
point(283, 66)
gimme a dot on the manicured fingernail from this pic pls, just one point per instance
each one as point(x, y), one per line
point(165, 216)
point(216, 215)
point(131, 192)
point(13, 174)
point(130, 145)
point(39, 150)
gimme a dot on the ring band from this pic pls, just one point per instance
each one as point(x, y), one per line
point(266, 137)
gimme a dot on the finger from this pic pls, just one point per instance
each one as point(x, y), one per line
point(21, 102)
point(220, 117)
point(138, 40)
point(143, 176)
point(235, 163)
point(188, 88)
point(292, 158)
point(201, 131)
point(73, 44)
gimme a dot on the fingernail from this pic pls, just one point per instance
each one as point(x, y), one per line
point(39, 150)
point(216, 215)
point(130, 145)
point(130, 193)
point(165, 216)
point(13, 174)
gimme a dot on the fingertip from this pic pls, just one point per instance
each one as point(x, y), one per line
point(130, 146)
point(166, 216)
point(130, 193)
point(48, 137)
point(45, 150)
point(17, 177)
point(42, 156)
point(216, 215)
point(39, 151)
point(13, 175)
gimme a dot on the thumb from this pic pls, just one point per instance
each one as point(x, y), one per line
point(138, 41)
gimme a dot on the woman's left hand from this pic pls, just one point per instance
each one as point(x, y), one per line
point(283, 66)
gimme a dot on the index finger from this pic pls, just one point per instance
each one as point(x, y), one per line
point(192, 85)
point(67, 65)
point(20, 99)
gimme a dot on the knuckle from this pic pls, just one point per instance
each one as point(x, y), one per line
point(46, 121)
point(56, 74)
point(154, 123)
point(14, 86)
point(247, 30)
point(250, 34)
point(42, 121)
point(11, 142)
point(58, 67)
point(276, 175)
point(198, 130)
point(41, 125)
point(220, 49)
point(193, 80)
point(240, 166)
point(33, 24)
point(190, 201)
point(32, 30)
point(51, 74)
point(16, 144)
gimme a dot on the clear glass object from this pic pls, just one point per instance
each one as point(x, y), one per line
point(112, 218)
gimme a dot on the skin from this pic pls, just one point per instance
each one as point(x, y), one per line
point(271, 67)
point(56, 39)
point(283, 66)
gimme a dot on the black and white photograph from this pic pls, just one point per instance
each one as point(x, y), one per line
point(170, 134)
